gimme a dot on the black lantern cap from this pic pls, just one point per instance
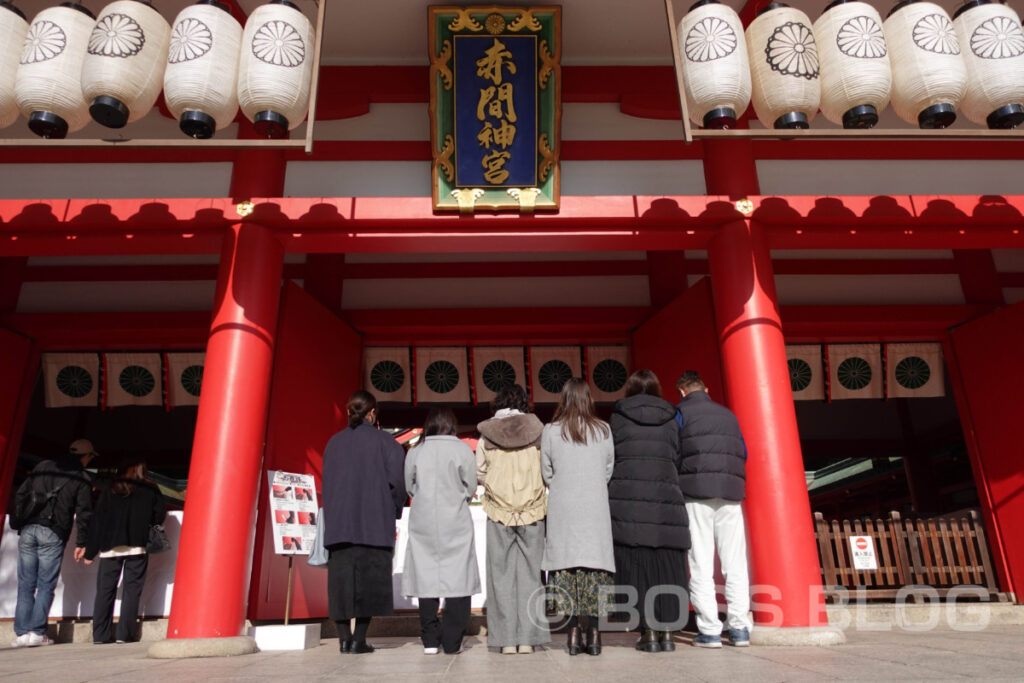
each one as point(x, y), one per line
point(720, 118)
point(899, 6)
point(109, 111)
point(1006, 117)
point(48, 125)
point(769, 8)
point(198, 125)
point(9, 6)
point(937, 116)
point(863, 116)
point(702, 3)
point(971, 5)
point(270, 125)
point(80, 8)
point(794, 119)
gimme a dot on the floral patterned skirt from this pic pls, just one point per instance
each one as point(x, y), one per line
point(577, 592)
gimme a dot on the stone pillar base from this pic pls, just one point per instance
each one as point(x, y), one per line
point(184, 648)
point(817, 636)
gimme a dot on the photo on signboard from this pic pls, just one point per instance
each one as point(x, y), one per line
point(284, 516)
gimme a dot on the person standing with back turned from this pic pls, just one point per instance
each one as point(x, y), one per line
point(56, 494)
point(364, 493)
point(713, 480)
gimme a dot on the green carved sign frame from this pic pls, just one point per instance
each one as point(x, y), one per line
point(445, 23)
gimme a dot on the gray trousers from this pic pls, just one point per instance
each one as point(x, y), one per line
point(515, 594)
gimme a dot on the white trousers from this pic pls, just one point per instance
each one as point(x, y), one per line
point(717, 524)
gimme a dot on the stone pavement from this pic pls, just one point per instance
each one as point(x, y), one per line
point(995, 653)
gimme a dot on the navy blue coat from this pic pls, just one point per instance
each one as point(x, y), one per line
point(714, 455)
point(363, 487)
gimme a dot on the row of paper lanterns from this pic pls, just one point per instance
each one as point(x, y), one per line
point(67, 66)
point(850, 64)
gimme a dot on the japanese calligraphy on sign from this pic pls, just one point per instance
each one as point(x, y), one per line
point(495, 107)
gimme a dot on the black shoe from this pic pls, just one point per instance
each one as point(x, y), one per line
point(648, 642)
point(575, 640)
point(593, 641)
point(361, 647)
point(346, 646)
point(665, 641)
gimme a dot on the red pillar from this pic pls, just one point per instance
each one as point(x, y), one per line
point(215, 554)
point(784, 558)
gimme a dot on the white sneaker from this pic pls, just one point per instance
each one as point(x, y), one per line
point(508, 650)
point(526, 649)
point(21, 641)
point(430, 650)
point(37, 639)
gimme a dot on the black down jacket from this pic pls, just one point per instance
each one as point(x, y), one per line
point(646, 503)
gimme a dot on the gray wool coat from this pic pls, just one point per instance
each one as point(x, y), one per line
point(440, 557)
point(579, 520)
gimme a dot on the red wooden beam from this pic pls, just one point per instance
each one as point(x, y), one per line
point(407, 224)
point(103, 331)
point(820, 324)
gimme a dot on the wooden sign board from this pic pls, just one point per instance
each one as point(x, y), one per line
point(495, 107)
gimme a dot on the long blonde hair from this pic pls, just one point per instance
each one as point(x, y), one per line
point(575, 413)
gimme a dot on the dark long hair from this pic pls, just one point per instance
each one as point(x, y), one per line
point(643, 382)
point(360, 403)
point(575, 412)
point(440, 421)
point(511, 396)
point(129, 472)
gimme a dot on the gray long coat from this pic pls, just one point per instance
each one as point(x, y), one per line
point(579, 520)
point(440, 558)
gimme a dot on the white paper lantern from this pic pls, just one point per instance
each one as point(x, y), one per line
point(928, 73)
point(275, 68)
point(201, 80)
point(993, 46)
point(716, 72)
point(123, 70)
point(46, 87)
point(783, 67)
point(13, 28)
point(855, 75)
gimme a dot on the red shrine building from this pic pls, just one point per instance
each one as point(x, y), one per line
point(856, 301)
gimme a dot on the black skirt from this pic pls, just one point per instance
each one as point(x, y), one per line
point(644, 568)
point(359, 581)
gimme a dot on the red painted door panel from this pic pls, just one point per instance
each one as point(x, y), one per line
point(316, 367)
point(988, 353)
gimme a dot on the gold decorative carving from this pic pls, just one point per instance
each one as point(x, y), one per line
point(245, 208)
point(549, 62)
point(745, 206)
point(495, 24)
point(548, 157)
point(464, 22)
point(439, 65)
point(525, 20)
point(527, 197)
point(467, 198)
point(443, 156)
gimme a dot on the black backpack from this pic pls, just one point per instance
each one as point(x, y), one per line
point(31, 503)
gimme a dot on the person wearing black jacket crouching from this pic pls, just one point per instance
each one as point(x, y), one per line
point(119, 534)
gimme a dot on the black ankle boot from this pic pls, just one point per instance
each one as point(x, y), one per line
point(648, 642)
point(575, 640)
point(345, 645)
point(665, 641)
point(593, 641)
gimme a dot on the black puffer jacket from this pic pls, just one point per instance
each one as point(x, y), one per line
point(646, 503)
point(714, 455)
